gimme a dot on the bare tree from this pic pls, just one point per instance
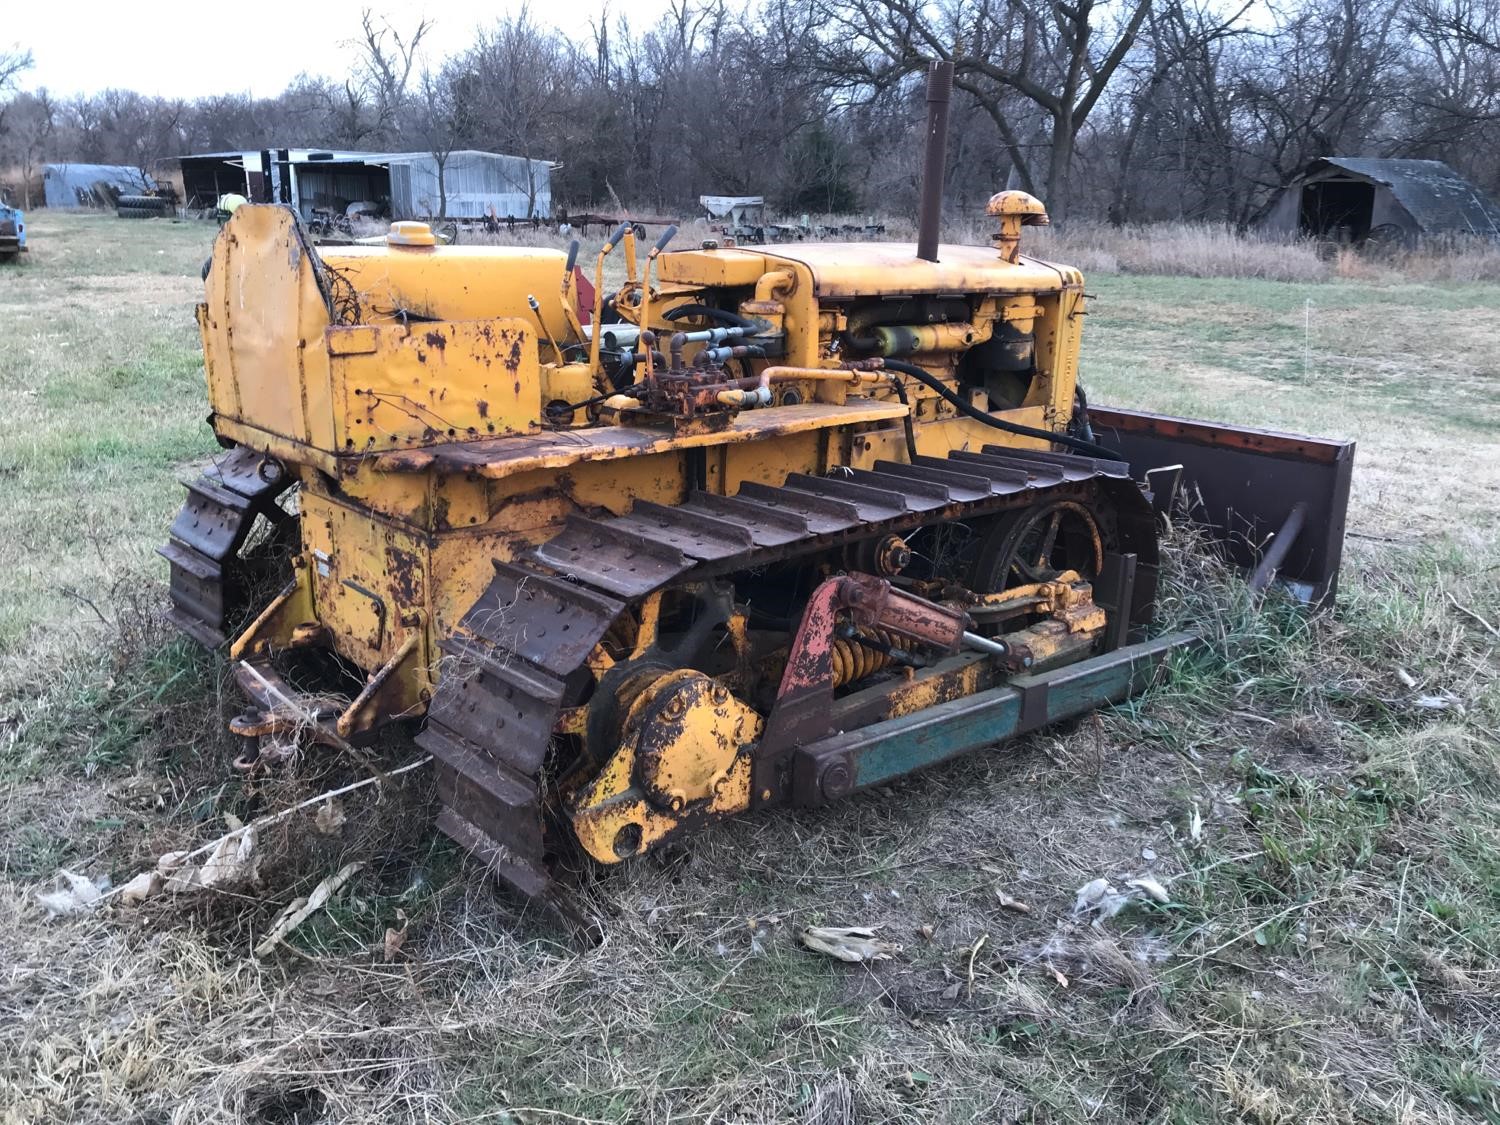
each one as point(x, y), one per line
point(1452, 87)
point(30, 129)
point(512, 83)
point(1051, 57)
point(1128, 109)
point(1321, 82)
point(439, 116)
point(13, 63)
point(1172, 85)
point(387, 59)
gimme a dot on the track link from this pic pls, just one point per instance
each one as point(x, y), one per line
point(221, 508)
point(509, 660)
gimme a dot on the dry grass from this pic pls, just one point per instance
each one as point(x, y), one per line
point(1331, 953)
point(1202, 250)
point(1182, 250)
point(1162, 250)
point(1186, 250)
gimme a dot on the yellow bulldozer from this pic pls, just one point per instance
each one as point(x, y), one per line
point(768, 526)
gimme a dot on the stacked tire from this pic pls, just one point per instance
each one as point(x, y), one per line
point(143, 207)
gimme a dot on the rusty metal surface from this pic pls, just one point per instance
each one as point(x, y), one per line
point(611, 556)
point(939, 93)
point(831, 767)
point(804, 700)
point(495, 458)
point(220, 510)
point(279, 708)
point(491, 718)
point(877, 605)
point(1242, 485)
point(508, 664)
point(680, 763)
point(844, 269)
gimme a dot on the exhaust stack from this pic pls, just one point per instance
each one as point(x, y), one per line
point(939, 94)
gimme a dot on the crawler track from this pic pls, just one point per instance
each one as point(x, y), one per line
point(207, 584)
point(511, 658)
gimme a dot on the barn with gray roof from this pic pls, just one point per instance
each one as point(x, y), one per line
point(1354, 199)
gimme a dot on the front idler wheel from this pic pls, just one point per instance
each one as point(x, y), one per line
point(1039, 543)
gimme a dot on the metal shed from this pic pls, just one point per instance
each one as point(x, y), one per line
point(72, 185)
point(1352, 199)
point(305, 178)
point(740, 210)
point(403, 185)
point(475, 183)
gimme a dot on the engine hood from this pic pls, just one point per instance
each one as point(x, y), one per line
point(866, 269)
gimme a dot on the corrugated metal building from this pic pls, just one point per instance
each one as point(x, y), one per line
point(306, 178)
point(475, 184)
point(400, 185)
point(72, 185)
point(1351, 199)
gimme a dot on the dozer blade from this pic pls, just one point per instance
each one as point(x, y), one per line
point(1276, 503)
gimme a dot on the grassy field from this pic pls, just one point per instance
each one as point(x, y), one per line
point(1321, 798)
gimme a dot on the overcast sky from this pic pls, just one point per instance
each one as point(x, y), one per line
point(82, 46)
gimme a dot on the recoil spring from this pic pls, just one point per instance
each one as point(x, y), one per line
point(860, 654)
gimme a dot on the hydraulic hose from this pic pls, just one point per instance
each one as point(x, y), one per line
point(1081, 425)
point(723, 316)
point(907, 423)
point(928, 379)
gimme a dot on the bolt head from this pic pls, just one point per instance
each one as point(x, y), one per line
point(836, 781)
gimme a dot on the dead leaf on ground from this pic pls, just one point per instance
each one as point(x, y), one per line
point(1009, 903)
point(395, 937)
point(848, 943)
point(299, 910)
point(1100, 898)
point(1150, 888)
point(1442, 702)
point(139, 889)
point(329, 817)
point(231, 863)
point(170, 863)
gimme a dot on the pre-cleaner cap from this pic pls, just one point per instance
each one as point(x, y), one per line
point(410, 233)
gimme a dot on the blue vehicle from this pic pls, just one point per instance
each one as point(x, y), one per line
point(12, 233)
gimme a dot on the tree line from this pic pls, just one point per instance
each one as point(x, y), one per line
point(1126, 110)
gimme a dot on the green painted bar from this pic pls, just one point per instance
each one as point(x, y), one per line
point(912, 742)
point(942, 736)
